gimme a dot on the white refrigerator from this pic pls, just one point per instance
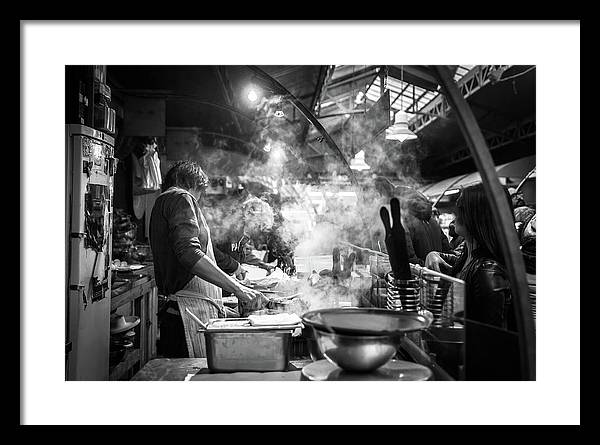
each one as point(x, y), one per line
point(90, 168)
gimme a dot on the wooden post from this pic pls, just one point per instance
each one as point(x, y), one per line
point(502, 213)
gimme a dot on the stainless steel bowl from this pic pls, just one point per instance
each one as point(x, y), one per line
point(357, 353)
point(361, 339)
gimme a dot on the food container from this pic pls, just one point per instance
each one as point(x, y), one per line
point(233, 345)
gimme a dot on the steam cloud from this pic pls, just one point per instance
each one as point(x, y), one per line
point(279, 161)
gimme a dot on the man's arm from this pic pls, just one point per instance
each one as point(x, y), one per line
point(250, 258)
point(208, 270)
point(224, 261)
point(186, 237)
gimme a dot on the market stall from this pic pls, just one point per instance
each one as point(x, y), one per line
point(293, 210)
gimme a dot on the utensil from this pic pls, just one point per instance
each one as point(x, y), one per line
point(395, 240)
point(389, 243)
point(196, 319)
point(365, 249)
point(288, 297)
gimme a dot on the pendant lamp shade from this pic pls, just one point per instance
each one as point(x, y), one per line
point(399, 131)
point(358, 162)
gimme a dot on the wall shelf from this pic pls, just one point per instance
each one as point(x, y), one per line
point(139, 297)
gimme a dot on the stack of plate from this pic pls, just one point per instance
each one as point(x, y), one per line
point(119, 344)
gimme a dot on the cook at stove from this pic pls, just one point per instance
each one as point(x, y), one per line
point(184, 263)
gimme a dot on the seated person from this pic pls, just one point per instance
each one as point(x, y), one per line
point(238, 239)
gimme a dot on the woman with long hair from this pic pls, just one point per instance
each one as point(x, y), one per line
point(491, 338)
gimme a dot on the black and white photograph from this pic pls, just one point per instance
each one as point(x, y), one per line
point(350, 218)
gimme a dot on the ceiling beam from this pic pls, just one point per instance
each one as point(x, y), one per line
point(469, 84)
point(323, 71)
point(401, 94)
point(323, 90)
point(282, 72)
point(316, 98)
point(353, 77)
point(416, 101)
point(414, 75)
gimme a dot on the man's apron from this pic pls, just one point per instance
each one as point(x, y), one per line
point(203, 299)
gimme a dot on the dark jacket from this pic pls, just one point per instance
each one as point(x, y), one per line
point(491, 338)
point(425, 232)
point(239, 247)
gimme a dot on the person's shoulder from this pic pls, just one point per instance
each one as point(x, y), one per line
point(490, 266)
point(174, 198)
point(490, 274)
point(175, 194)
point(174, 191)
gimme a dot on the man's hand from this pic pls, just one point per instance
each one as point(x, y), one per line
point(251, 299)
point(433, 261)
point(240, 273)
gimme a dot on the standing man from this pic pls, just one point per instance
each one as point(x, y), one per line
point(184, 263)
point(425, 231)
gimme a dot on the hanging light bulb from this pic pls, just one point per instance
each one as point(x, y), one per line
point(360, 98)
point(358, 162)
point(278, 111)
point(399, 131)
point(252, 95)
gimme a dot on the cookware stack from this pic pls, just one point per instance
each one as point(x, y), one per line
point(403, 295)
point(434, 293)
point(403, 292)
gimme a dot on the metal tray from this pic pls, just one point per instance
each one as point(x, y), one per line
point(237, 347)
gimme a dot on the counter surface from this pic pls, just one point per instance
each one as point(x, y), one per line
point(180, 369)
